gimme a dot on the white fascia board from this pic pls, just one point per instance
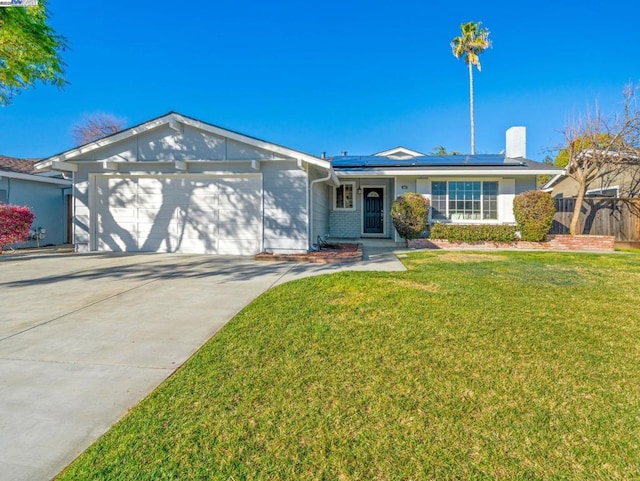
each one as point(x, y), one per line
point(55, 165)
point(125, 134)
point(450, 173)
point(333, 178)
point(35, 178)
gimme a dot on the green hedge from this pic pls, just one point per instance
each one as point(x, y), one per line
point(473, 232)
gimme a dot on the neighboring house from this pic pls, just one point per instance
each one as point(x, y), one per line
point(48, 195)
point(623, 184)
point(176, 184)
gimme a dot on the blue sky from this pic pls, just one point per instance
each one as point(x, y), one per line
point(332, 75)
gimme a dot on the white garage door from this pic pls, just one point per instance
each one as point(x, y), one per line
point(191, 214)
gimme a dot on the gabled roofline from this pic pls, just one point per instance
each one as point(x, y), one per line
point(171, 119)
point(404, 150)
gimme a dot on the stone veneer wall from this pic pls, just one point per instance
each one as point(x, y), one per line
point(554, 242)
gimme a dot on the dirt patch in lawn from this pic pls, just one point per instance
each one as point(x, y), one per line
point(331, 254)
point(431, 287)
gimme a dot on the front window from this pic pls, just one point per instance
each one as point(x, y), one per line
point(344, 197)
point(464, 200)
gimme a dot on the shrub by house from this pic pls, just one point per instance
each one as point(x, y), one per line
point(15, 222)
point(409, 214)
point(473, 232)
point(534, 211)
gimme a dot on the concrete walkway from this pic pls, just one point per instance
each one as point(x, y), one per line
point(83, 338)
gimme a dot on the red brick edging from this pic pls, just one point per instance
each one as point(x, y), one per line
point(313, 258)
point(553, 242)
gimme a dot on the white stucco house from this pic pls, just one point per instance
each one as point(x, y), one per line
point(177, 184)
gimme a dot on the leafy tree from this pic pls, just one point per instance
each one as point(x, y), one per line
point(543, 179)
point(96, 126)
point(439, 150)
point(473, 41)
point(410, 214)
point(601, 147)
point(29, 50)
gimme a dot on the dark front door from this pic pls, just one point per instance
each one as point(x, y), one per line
point(373, 210)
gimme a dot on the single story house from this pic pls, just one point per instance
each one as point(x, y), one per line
point(47, 194)
point(624, 183)
point(177, 184)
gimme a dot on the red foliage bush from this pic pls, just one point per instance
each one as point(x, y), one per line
point(15, 222)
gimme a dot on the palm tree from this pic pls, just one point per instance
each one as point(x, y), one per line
point(473, 41)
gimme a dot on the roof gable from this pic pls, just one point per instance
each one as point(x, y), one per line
point(399, 153)
point(177, 137)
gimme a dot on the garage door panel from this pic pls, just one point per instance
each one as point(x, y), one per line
point(205, 202)
point(154, 201)
point(237, 201)
point(124, 213)
point(120, 199)
point(241, 233)
point(249, 214)
point(167, 214)
point(120, 184)
point(209, 231)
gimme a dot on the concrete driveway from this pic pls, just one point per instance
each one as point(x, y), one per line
point(83, 338)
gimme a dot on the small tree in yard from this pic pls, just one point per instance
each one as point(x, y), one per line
point(534, 211)
point(410, 213)
point(15, 222)
point(599, 147)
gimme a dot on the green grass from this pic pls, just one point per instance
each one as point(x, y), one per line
point(469, 366)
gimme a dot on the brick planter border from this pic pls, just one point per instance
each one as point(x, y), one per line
point(553, 242)
point(313, 258)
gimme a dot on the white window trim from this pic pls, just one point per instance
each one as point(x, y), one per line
point(335, 197)
point(448, 220)
point(613, 187)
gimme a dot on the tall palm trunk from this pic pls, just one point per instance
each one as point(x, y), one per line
point(473, 127)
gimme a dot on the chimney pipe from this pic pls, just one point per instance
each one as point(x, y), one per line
point(516, 143)
point(344, 153)
point(323, 155)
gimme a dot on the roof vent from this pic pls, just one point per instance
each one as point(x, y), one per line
point(344, 153)
point(323, 155)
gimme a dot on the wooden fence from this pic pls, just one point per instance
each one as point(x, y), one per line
point(601, 216)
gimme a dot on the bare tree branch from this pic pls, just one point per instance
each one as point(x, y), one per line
point(96, 126)
point(602, 148)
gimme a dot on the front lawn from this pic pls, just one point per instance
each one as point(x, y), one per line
point(502, 365)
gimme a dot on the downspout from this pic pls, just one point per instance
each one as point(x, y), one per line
point(329, 176)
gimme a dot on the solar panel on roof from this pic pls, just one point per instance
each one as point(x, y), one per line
point(373, 161)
